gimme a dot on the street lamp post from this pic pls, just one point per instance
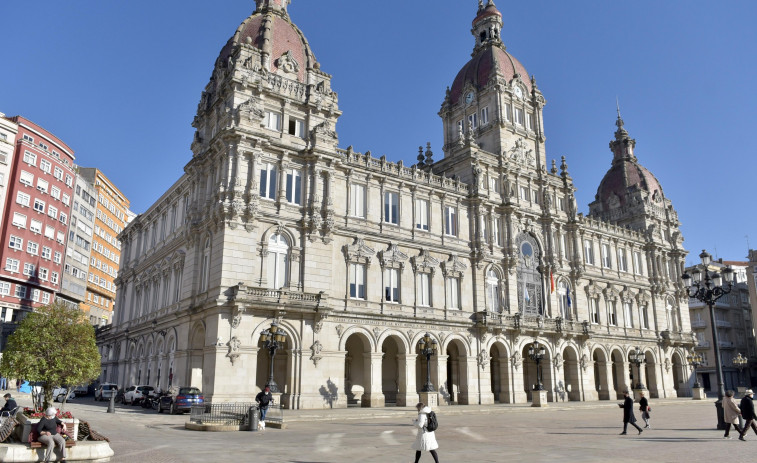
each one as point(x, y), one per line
point(740, 362)
point(695, 360)
point(637, 357)
point(427, 345)
point(273, 339)
point(708, 288)
point(536, 352)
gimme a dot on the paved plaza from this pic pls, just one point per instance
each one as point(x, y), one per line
point(682, 430)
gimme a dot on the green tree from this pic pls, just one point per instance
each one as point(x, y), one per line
point(53, 345)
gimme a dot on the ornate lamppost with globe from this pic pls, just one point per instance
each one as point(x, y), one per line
point(740, 362)
point(708, 287)
point(637, 357)
point(536, 352)
point(695, 360)
point(273, 339)
point(428, 346)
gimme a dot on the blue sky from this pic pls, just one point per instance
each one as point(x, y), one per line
point(119, 81)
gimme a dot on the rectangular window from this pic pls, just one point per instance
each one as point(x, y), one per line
point(46, 252)
point(424, 289)
point(484, 230)
point(16, 243)
point(472, 121)
point(391, 285)
point(606, 262)
point(644, 317)
point(530, 121)
point(588, 252)
point(29, 269)
point(43, 274)
point(508, 111)
point(622, 264)
point(69, 180)
point(39, 205)
point(19, 220)
point(57, 257)
point(28, 138)
point(519, 116)
point(391, 208)
point(485, 116)
point(594, 310)
point(612, 313)
point(30, 158)
point(497, 234)
point(357, 281)
point(297, 127)
point(58, 173)
point(54, 278)
point(11, 265)
point(638, 268)
point(294, 187)
point(450, 220)
point(66, 199)
point(49, 232)
point(421, 214)
point(55, 192)
point(23, 198)
point(268, 181)
point(42, 185)
point(27, 178)
point(628, 314)
point(357, 200)
point(45, 298)
point(45, 165)
point(524, 193)
point(20, 291)
point(63, 217)
point(5, 290)
point(35, 295)
point(32, 248)
point(453, 292)
point(273, 121)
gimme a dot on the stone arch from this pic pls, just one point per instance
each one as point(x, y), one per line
point(652, 374)
point(620, 372)
point(197, 343)
point(454, 389)
point(499, 368)
point(394, 369)
point(602, 376)
point(571, 371)
point(680, 378)
point(358, 363)
point(282, 361)
point(357, 329)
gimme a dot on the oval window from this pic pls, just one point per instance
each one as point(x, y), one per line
point(526, 249)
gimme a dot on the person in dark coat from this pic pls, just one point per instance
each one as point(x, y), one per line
point(747, 412)
point(644, 409)
point(48, 434)
point(10, 404)
point(628, 416)
point(264, 399)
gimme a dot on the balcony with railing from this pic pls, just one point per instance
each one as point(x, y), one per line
point(698, 324)
point(722, 324)
point(702, 345)
point(726, 345)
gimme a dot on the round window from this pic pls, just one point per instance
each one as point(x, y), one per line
point(526, 249)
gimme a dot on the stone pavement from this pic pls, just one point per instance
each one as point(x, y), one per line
point(682, 430)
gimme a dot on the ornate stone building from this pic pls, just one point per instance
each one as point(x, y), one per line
point(356, 258)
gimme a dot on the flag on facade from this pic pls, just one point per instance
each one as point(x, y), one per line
point(525, 294)
point(567, 294)
point(552, 281)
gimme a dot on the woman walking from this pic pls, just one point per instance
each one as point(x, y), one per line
point(426, 440)
point(731, 413)
point(644, 409)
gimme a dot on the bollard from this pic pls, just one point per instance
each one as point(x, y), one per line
point(112, 403)
point(253, 418)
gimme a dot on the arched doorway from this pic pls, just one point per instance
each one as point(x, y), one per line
point(653, 380)
point(601, 375)
point(197, 356)
point(390, 369)
point(679, 384)
point(572, 379)
point(500, 374)
point(357, 368)
point(618, 374)
point(280, 364)
point(456, 386)
point(530, 297)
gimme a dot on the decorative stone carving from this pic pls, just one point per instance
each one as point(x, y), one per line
point(483, 359)
point(376, 332)
point(424, 262)
point(516, 359)
point(584, 362)
point(339, 330)
point(287, 63)
point(392, 257)
point(315, 352)
point(234, 345)
point(667, 364)
point(236, 321)
point(453, 267)
point(358, 252)
point(520, 153)
point(557, 361)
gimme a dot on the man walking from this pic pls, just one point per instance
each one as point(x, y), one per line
point(644, 409)
point(628, 416)
point(264, 399)
point(747, 412)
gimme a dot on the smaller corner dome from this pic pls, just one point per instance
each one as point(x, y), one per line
point(275, 34)
point(490, 10)
point(478, 70)
point(624, 177)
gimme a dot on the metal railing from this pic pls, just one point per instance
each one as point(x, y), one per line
point(226, 414)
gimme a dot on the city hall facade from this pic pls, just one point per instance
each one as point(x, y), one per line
point(355, 258)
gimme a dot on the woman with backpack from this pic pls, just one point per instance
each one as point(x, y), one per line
point(426, 439)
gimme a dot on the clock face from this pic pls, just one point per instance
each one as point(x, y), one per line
point(518, 93)
point(469, 98)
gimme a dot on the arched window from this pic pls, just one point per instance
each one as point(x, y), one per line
point(205, 270)
point(278, 262)
point(492, 291)
point(564, 299)
point(530, 295)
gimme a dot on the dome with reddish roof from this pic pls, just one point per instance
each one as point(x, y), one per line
point(281, 43)
point(489, 10)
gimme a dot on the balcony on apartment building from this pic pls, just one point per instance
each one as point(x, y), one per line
point(702, 345)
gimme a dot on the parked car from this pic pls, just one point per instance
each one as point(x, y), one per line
point(59, 393)
point(81, 390)
point(135, 394)
point(105, 391)
point(180, 399)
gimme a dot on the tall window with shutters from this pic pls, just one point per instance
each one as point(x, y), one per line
point(391, 208)
point(294, 186)
point(421, 214)
point(278, 262)
point(357, 281)
point(268, 181)
point(357, 200)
